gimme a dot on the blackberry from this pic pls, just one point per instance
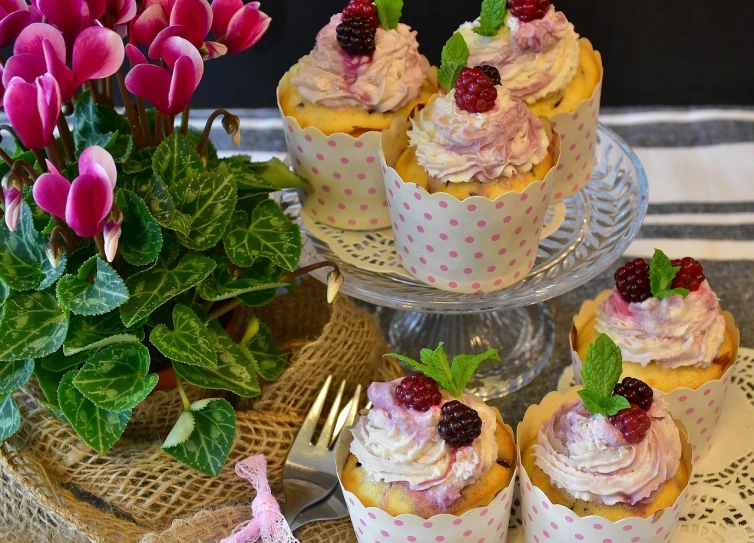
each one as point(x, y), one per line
point(528, 10)
point(418, 392)
point(491, 72)
point(632, 281)
point(356, 35)
point(632, 422)
point(690, 276)
point(460, 424)
point(475, 91)
point(635, 391)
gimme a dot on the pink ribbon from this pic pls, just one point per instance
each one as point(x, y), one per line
point(267, 524)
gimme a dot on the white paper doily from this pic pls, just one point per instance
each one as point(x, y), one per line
point(720, 502)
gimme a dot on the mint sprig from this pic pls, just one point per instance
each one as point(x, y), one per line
point(492, 17)
point(389, 13)
point(661, 275)
point(452, 376)
point(455, 55)
point(600, 373)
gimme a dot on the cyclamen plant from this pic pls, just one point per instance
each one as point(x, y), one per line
point(125, 239)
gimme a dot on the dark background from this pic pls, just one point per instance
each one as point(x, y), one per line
point(655, 52)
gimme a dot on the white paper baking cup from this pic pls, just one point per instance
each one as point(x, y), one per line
point(578, 134)
point(482, 524)
point(544, 521)
point(698, 409)
point(475, 245)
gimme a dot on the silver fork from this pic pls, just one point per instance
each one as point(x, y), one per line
point(309, 474)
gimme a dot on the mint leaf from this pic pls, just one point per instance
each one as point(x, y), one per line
point(465, 365)
point(435, 365)
point(661, 275)
point(600, 405)
point(492, 17)
point(615, 404)
point(389, 13)
point(455, 55)
point(601, 372)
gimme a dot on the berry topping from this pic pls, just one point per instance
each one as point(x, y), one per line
point(475, 91)
point(363, 8)
point(690, 276)
point(460, 424)
point(633, 423)
point(356, 35)
point(418, 392)
point(632, 281)
point(635, 391)
point(491, 72)
point(528, 10)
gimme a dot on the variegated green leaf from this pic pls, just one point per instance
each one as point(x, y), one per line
point(87, 333)
point(33, 325)
point(222, 285)
point(189, 341)
point(175, 158)
point(181, 223)
point(154, 193)
point(270, 361)
point(140, 239)
point(97, 289)
point(49, 382)
point(181, 431)
point(59, 362)
point(276, 173)
point(10, 417)
point(14, 374)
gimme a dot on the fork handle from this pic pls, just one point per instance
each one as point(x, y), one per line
point(299, 495)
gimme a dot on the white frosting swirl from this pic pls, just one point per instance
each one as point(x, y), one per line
point(589, 458)
point(385, 81)
point(399, 445)
point(673, 331)
point(456, 146)
point(535, 59)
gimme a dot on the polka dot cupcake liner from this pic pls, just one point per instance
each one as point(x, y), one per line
point(698, 409)
point(488, 524)
point(578, 135)
point(476, 245)
point(544, 521)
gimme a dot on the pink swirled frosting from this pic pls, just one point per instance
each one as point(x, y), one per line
point(589, 458)
point(673, 331)
point(535, 59)
point(386, 81)
point(456, 146)
point(399, 445)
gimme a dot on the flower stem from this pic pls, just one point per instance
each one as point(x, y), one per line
point(290, 276)
point(12, 132)
point(100, 241)
point(157, 127)
point(6, 157)
point(65, 235)
point(208, 128)
point(169, 124)
point(20, 163)
point(40, 158)
point(69, 236)
point(144, 120)
point(182, 392)
point(109, 91)
point(53, 153)
point(223, 309)
point(92, 85)
point(131, 113)
point(185, 120)
point(66, 138)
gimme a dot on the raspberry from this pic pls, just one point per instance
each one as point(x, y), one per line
point(491, 72)
point(632, 281)
point(632, 422)
point(528, 10)
point(635, 391)
point(364, 8)
point(356, 35)
point(475, 91)
point(460, 424)
point(690, 276)
point(418, 392)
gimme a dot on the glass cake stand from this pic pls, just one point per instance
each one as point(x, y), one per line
point(587, 234)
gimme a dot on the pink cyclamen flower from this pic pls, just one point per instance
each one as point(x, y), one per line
point(170, 92)
point(15, 15)
point(111, 232)
point(112, 13)
point(192, 21)
point(85, 203)
point(13, 197)
point(238, 26)
point(33, 109)
point(68, 16)
point(150, 22)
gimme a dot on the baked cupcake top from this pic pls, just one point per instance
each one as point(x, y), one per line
point(618, 445)
point(533, 46)
point(434, 440)
point(674, 320)
point(361, 61)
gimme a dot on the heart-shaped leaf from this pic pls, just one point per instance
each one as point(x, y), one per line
point(189, 341)
point(33, 325)
point(270, 235)
point(91, 119)
point(181, 223)
point(116, 378)
point(269, 360)
point(222, 285)
point(87, 333)
point(10, 417)
point(97, 289)
point(154, 194)
point(49, 382)
point(99, 429)
point(175, 158)
point(14, 374)
point(246, 180)
point(181, 431)
point(159, 284)
point(140, 239)
point(59, 362)
point(139, 160)
point(234, 372)
point(208, 446)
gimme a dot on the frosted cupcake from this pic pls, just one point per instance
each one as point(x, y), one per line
point(364, 71)
point(428, 460)
point(542, 61)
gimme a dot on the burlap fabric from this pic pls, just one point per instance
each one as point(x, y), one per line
point(55, 488)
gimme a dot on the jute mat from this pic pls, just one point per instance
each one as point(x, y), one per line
point(54, 488)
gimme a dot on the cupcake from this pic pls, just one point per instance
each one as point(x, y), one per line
point(542, 61)
point(673, 336)
point(428, 460)
point(364, 71)
point(469, 179)
point(596, 466)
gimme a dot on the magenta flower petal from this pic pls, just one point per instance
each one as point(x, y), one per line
point(50, 192)
point(215, 49)
point(151, 83)
point(2, 86)
point(64, 14)
point(223, 11)
point(182, 86)
point(11, 26)
point(97, 8)
point(13, 198)
point(123, 10)
point(135, 56)
point(49, 101)
point(89, 202)
point(33, 36)
point(155, 48)
point(10, 6)
point(33, 109)
point(27, 67)
point(150, 23)
point(175, 48)
point(246, 28)
point(94, 160)
point(196, 15)
point(60, 71)
point(97, 53)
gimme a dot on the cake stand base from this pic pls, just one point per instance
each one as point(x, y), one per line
point(524, 337)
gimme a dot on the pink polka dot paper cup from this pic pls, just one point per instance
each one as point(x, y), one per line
point(476, 245)
point(543, 521)
point(698, 409)
point(482, 524)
